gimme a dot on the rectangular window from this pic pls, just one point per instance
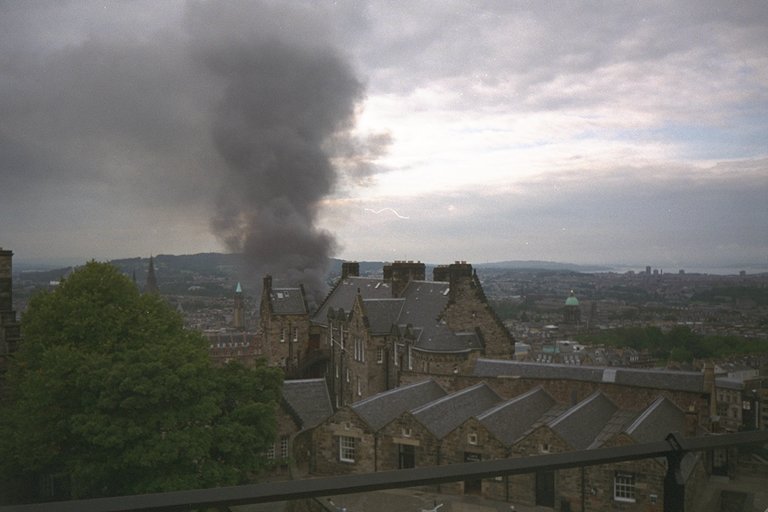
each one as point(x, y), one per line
point(282, 335)
point(472, 438)
point(346, 449)
point(624, 487)
point(284, 447)
point(295, 334)
point(380, 355)
point(271, 452)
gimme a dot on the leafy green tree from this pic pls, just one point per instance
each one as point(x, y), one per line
point(111, 395)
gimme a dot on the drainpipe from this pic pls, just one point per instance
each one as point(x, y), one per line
point(375, 451)
point(583, 489)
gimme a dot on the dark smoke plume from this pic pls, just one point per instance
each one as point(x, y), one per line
point(285, 105)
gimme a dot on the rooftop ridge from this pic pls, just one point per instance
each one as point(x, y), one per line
point(450, 396)
point(579, 406)
point(390, 392)
point(510, 402)
point(645, 414)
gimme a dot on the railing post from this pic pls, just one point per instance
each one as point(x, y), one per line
point(674, 484)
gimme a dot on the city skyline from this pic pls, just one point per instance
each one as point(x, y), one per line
point(587, 133)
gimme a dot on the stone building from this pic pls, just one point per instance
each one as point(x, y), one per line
point(10, 330)
point(404, 428)
point(348, 441)
point(368, 331)
point(284, 327)
point(305, 403)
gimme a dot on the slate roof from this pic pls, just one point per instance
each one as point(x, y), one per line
point(343, 295)
point(287, 301)
point(443, 415)
point(424, 303)
point(509, 420)
point(581, 424)
point(309, 400)
point(381, 408)
point(656, 421)
point(659, 379)
point(382, 314)
point(615, 425)
point(727, 383)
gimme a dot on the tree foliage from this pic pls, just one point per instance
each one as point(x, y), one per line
point(678, 344)
point(109, 390)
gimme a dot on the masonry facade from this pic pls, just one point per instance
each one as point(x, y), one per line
point(421, 425)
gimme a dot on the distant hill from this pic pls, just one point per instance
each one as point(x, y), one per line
point(224, 264)
point(542, 265)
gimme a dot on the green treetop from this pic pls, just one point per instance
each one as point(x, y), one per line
point(109, 395)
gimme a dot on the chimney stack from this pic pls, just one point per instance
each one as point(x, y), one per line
point(350, 269)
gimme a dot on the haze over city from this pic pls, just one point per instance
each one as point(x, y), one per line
point(586, 132)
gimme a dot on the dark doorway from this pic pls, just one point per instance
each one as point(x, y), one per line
point(406, 456)
point(545, 488)
point(473, 486)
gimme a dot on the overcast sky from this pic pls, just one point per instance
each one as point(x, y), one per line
point(585, 132)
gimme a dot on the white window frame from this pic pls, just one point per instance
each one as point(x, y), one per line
point(284, 447)
point(380, 355)
point(347, 449)
point(295, 334)
point(282, 335)
point(472, 438)
point(624, 487)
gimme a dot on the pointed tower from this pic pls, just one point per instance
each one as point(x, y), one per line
point(238, 318)
point(151, 285)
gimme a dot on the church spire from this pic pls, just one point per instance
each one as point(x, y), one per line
point(151, 285)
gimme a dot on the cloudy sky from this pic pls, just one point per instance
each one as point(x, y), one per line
point(586, 132)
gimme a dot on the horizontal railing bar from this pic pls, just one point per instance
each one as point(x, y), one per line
point(357, 483)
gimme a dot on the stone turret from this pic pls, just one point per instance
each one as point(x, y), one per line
point(151, 285)
point(238, 317)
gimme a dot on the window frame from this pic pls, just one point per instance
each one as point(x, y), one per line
point(347, 447)
point(624, 487)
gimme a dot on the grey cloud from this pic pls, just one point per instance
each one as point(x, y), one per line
point(632, 215)
point(234, 107)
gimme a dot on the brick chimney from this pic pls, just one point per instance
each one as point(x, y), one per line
point(400, 273)
point(350, 269)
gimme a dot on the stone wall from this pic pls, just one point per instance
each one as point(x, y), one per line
point(326, 439)
point(469, 311)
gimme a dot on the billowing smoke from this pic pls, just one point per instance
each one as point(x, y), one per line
point(147, 124)
point(288, 100)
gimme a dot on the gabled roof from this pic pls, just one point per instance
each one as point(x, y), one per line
point(656, 421)
point(581, 424)
point(309, 400)
point(343, 295)
point(424, 301)
point(287, 301)
point(381, 408)
point(382, 314)
point(658, 379)
point(509, 420)
point(443, 415)
point(615, 425)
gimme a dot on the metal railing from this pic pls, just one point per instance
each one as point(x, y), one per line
point(673, 449)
